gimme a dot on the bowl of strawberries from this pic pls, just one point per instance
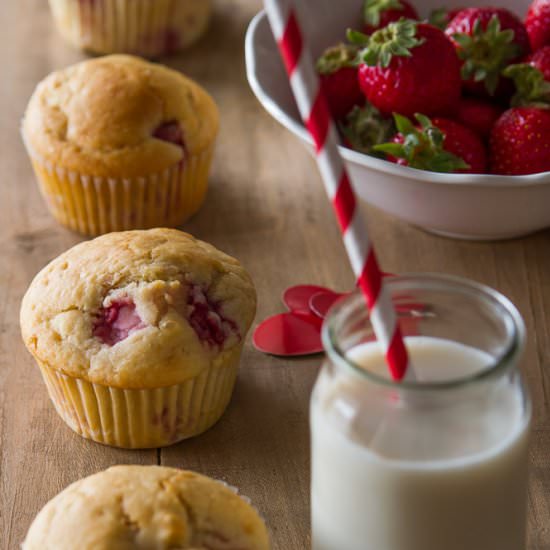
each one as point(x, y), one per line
point(444, 112)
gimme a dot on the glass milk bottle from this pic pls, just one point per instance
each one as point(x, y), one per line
point(435, 463)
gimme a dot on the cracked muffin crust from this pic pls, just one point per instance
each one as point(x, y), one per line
point(138, 309)
point(102, 117)
point(147, 508)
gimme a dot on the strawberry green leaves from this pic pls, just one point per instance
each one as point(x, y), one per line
point(372, 10)
point(439, 18)
point(397, 39)
point(422, 147)
point(365, 127)
point(337, 57)
point(486, 51)
point(533, 90)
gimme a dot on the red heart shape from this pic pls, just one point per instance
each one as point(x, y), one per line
point(289, 334)
point(298, 332)
point(296, 298)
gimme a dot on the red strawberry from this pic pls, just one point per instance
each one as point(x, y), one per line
point(441, 17)
point(520, 142)
point(365, 127)
point(438, 145)
point(339, 79)
point(379, 13)
point(487, 40)
point(537, 23)
point(478, 115)
point(409, 67)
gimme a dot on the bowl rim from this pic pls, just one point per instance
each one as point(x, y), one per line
point(361, 159)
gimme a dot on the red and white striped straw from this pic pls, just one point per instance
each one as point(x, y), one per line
point(314, 110)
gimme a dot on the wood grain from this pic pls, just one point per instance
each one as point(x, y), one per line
point(267, 207)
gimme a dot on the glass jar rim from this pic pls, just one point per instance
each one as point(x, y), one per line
point(433, 281)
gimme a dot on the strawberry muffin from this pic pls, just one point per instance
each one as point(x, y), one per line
point(142, 27)
point(139, 334)
point(118, 143)
point(132, 507)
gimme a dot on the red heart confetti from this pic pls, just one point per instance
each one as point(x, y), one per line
point(289, 334)
point(298, 332)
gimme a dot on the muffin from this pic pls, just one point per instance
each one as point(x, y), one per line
point(139, 334)
point(141, 27)
point(131, 507)
point(119, 143)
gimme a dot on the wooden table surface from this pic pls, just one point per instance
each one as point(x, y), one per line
point(267, 207)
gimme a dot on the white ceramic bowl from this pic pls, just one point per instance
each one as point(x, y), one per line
point(456, 205)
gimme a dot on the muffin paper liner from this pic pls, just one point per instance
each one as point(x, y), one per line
point(142, 418)
point(95, 205)
point(142, 27)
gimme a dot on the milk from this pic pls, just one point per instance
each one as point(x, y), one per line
point(396, 471)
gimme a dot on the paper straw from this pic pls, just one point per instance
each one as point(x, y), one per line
point(313, 108)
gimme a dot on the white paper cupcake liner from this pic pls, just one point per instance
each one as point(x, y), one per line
point(143, 27)
point(142, 418)
point(95, 205)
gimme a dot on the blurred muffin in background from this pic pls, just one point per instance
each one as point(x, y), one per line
point(150, 28)
point(132, 507)
point(119, 143)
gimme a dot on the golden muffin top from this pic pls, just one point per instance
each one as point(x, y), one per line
point(148, 508)
point(118, 116)
point(138, 309)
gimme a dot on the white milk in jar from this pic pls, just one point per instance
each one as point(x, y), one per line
point(439, 466)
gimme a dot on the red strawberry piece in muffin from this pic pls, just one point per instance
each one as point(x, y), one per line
point(487, 40)
point(409, 67)
point(172, 132)
point(117, 321)
point(207, 319)
point(379, 13)
point(537, 23)
point(438, 145)
point(338, 73)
